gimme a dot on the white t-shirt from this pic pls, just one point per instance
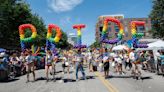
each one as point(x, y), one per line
point(119, 60)
point(158, 55)
point(14, 60)
point(89, 56)
point(105, 59)
point(29, 59)
point(131, 56)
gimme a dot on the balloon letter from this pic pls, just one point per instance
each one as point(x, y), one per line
point(79, 43)
point(22, 34)
point(136, 35)
point(58, 33)
point(105, 27)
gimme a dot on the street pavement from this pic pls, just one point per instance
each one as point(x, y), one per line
point(95, 82)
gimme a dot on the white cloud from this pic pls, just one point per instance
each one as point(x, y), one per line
point(63, 5)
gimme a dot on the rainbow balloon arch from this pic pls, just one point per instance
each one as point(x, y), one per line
point(50, 42)
point(104, 31)
point(24, 40)
point(79, 42)
point(135, 36)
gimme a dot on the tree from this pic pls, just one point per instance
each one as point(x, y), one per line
point(12, 14)
point(96, 44)
point(157, 17)
point(63, 41)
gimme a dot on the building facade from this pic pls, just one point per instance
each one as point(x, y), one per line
point(113, 28)
point(72, 39)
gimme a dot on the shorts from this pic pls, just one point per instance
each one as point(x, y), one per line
point(63, 65)
point(106, 66)
point(48, 64)
point(66, 63)
point(30, 67)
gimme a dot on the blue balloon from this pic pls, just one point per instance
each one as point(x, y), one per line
point(22, 45)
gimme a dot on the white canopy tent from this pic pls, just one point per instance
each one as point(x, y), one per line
point(120, 47)
point(157, 44)
point(154, 46)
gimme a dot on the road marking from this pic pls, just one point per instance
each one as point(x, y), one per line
point(109, 86)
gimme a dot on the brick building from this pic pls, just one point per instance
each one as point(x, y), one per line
point(113, 28)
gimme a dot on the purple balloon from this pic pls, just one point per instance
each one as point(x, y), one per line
point(142, 45)
point(80, 46)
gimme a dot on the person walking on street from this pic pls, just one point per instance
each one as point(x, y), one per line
point(48, 63)
point(30, 65)
point(79, 65)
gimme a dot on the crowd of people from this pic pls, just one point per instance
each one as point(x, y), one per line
point(96, 59)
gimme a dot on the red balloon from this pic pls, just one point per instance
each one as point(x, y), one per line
point(78, 26)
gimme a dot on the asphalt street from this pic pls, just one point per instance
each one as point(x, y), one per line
point(95, 82)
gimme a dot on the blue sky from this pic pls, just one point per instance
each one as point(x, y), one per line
point(66, 13)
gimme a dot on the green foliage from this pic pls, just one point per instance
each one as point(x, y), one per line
point(96, 44)
point(13, 13)
point(63, 42)
point(157, 17)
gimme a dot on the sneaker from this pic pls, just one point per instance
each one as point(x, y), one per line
point(77, 80)
point(27, 81)
point(84, 78)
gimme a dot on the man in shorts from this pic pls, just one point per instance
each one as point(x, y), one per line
point(30, 65)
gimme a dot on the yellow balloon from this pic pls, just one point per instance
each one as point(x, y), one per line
point(121, 32)
point(105, 28)
point(49, 35)
point(78, 32)
point(133, 32)
point(56, 39)
point(34, 34)
point(22, 36)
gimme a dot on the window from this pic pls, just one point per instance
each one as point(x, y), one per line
point(100, 29)
point(147, 29)
point(140, 29)
point(109, 36)
point(116, 28)
point(109, 29)
point(126, 31)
